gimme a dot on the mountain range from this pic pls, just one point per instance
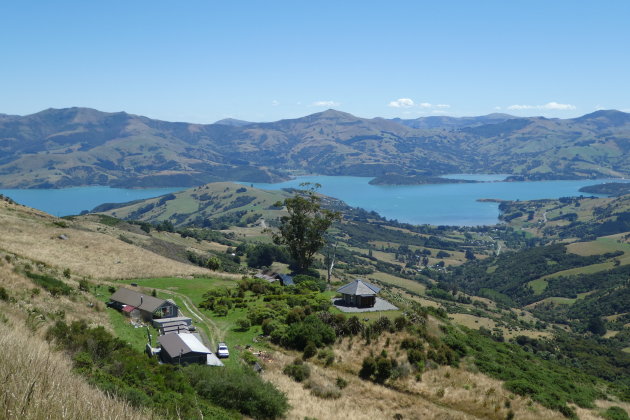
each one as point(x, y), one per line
point(58, 148)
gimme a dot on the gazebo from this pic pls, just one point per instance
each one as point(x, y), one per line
point(359, 293)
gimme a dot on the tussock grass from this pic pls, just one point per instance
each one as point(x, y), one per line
point(100, 255)
point(360, 400)
point(38, 383)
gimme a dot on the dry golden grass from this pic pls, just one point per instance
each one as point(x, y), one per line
point(360, 400)
point(462, 391)
point(38, 383)
point(101, 255)
point(442, 393)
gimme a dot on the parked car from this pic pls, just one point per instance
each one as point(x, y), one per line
point(222, 351)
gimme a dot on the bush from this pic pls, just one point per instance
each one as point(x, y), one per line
point(329, 392)
point(312, 329)
point(51, 284)
point(3, 294)
point(238, 389)
point(616, 413)
point(84, 285)
point(298, 370)
point(309, 351)
point(243, 324)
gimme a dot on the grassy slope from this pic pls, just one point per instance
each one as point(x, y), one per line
point(211, 201)
point(364, 398)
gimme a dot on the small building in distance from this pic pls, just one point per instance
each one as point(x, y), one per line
point(270, 276)
point(147, 307)
point(185, 349)
point(359, 293)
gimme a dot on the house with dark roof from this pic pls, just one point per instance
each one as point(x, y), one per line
point(147, 307)
point(359, 293)
point(270, 276)
point(184, 349)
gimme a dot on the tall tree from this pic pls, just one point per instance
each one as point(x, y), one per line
point(302, 230)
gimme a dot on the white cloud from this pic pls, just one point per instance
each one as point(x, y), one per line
point(557, 106)
point(325, 103)
point(497, 108)
point(402, 103)
point(409, 103)
point(520, 107)
point(548, 106)
point(275, 103)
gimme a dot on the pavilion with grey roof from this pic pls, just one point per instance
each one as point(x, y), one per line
point(359, 293)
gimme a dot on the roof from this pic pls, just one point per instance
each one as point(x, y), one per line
point(286, 280)
point(163, 321)
point(213, 360)
point(133, 298)
point(177, 344)
point(175, 327)
point(359, 288)
point(128, 308)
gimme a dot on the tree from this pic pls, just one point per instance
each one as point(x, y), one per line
point(302, 231)
point(596, 326)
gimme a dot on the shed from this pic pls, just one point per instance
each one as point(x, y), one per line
point(157, 323)
point(184, 349)
point(359, 293)
point(149, 307)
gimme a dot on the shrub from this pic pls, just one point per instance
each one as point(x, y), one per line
point(3, 294)
point(243, 324)
point(329, 392)
point(312, 329)
point(616, 413)
point(327, 355)
point(309, 351)
point(51, 284)
point(238, 389)
point(298, 370)
point(341, 383)
point(84, 285)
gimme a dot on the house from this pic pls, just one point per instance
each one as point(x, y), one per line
point(270, 276)
point(359, 293)
point(185, 348)
point(145, 306)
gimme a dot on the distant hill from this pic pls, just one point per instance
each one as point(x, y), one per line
point(78, 146)
point(445, 122)
point(233, 122)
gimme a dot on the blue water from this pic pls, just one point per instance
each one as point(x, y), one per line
point(63, 202)
point(436, 204)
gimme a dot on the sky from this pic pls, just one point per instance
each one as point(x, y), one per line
point(201, 61)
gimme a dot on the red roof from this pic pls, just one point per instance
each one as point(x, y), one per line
point(128, 308)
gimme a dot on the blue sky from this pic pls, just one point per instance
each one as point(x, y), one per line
point(201, 61)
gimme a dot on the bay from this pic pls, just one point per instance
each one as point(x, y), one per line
point(436, 204)
point(67, 201)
